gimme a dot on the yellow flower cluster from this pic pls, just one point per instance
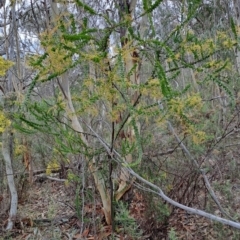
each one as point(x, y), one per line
point(19, 150)
point(182, 105)
point(204, 47)
point(152, 89)
point(188, 107)
point(4, 122)
point(53, 165)
point(4, 66)
point(194, 100)
point(198, 137)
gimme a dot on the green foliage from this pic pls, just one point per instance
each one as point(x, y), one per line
point(4, 122)
point(156, 206)
point(73, 24)
point(234, 30)
point(172, 234)
point(193, 5)
point(125, 223)
point(46, 117)
point(52, 166)
point(145, 4)
point(222, 232)
point(58, 60)
point(83, 36)
point(164, 84)
point(113, 85)
point(85, 7)
point(149, 9)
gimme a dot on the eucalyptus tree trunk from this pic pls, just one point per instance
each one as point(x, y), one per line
point(6, 151)
point(97, 175)
point(132, 64)
point(7, 138)
point(76, 125)
point(237, 20)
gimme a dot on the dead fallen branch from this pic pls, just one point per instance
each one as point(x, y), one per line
point(44, 222)
point(37, 172)
point(157, 190)
point(44, 177)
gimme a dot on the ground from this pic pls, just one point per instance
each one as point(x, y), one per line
point(48, 211)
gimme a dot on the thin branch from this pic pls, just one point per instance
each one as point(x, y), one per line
point(225, 134)
point(128, 116)
point(210, 190)
point(56, 179)
point(214, 197)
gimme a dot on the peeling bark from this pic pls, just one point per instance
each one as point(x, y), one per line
point(131, 59)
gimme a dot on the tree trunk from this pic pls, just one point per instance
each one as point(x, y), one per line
point(97, 175)
point(7, 134)
point(237, 20)
point(131, 59)
point(71, 113)
point(10, 178)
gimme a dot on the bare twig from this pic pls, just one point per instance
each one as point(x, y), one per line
point(56, 179)
point(214, 197)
